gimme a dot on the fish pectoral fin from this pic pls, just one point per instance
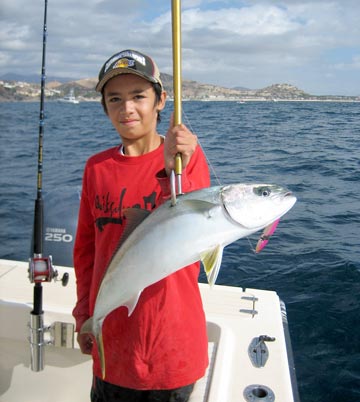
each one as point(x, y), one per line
point(87, 327)
point(200, 206)
point(211, 260)
point(132, 302)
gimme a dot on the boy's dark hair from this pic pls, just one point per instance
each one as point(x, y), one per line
point(157, 89)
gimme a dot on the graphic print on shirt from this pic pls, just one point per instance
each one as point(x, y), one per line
point(111, 208)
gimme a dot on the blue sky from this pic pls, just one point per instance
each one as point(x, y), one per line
point(314, 45)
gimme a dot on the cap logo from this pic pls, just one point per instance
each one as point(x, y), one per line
point(124, 63)
point(124, 55)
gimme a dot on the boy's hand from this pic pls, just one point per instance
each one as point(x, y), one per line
point(178, 139)
point(85, 342)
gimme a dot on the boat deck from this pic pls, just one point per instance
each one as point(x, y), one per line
point(235, 317)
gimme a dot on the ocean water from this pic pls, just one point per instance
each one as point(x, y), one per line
point(313, 259)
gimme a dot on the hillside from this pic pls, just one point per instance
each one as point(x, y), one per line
point(191, 90)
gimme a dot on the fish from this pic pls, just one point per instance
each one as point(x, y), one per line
point(197, 228)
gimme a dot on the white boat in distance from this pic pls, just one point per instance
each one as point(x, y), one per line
point(70, 98)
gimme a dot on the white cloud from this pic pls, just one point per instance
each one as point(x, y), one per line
point(354, 64)
point(13, 37)
point(258, 20)
point(230, 42)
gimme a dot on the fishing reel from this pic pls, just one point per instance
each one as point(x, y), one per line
point(41, 269)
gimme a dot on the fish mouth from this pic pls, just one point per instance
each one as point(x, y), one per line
point(290, 200)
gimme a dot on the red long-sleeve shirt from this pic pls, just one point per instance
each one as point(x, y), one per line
point(163, 344)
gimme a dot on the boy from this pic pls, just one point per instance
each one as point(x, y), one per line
point(159, 352)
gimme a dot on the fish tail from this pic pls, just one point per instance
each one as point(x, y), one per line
point(101, 351)
point(87, 328)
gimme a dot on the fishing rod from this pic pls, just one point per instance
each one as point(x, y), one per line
point(40, 267)
point(176, 40)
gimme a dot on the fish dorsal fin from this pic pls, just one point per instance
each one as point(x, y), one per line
point(132, 302)
point(211, 260)
point(132, 217)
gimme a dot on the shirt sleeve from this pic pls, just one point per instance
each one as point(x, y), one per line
point(84, 252)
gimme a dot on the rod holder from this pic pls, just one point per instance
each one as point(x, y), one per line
point(58, 334)
point(37, 342)
point(40, 270)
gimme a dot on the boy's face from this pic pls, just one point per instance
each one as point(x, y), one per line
point(131, 106)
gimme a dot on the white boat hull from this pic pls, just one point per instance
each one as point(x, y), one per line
point(234, 318)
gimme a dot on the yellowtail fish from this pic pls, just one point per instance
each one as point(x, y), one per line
point(197, 227)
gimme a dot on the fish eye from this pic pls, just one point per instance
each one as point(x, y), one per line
point(262, 191)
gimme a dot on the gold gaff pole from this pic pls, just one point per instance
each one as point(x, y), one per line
point(176, 39)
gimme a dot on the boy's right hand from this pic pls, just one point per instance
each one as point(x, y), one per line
point(179, 139)
point(85, 342)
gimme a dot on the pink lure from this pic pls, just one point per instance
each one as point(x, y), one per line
point(265, 237)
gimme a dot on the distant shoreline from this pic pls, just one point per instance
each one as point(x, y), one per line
point(276, 101)
point(83, 90)
point(240, 102)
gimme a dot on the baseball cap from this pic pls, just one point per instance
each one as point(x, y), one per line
point(129, 62)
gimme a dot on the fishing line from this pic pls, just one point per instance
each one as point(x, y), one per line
point(177, 83)
point(212, 167)
point(252, 248)
point(188, 123)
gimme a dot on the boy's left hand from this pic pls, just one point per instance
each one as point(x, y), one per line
point(179, 139)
